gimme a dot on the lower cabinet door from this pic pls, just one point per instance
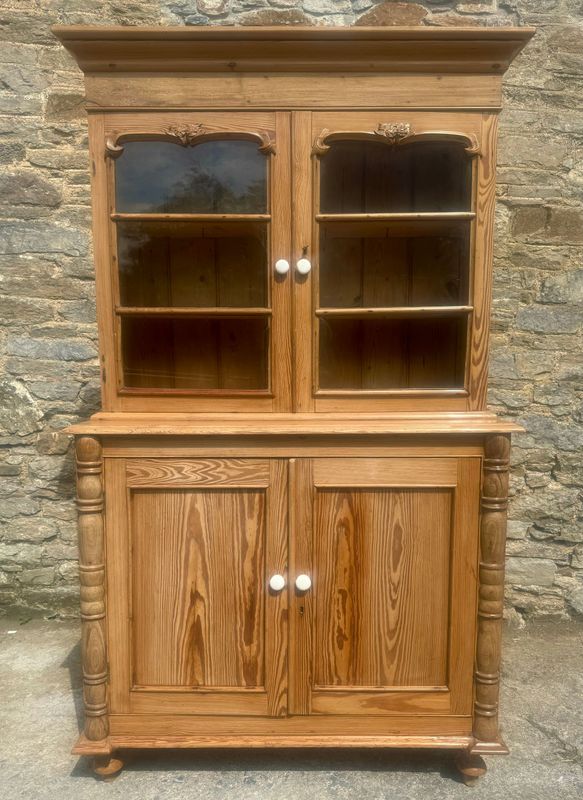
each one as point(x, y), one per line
point(192, 625)
point(388, 624)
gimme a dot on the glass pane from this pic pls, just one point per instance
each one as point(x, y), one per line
point(369, 177)
point(193, 264)
point(216, 177)
point(369, 354)
point(372, 264)
point(204, 354)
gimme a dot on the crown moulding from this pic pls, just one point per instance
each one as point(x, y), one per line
point(471, 50)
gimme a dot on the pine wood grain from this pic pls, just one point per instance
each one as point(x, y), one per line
point(204, 554)
point(192, 548)
point(92, 579)
point(396, 541)
point(217, 472)
point(491, 593)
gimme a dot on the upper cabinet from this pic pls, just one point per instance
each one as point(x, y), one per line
point(294, 220)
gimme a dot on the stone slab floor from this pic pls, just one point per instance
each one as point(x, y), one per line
point(40, 700)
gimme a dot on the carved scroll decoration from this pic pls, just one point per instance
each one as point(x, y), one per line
point(92, 579)
point(190, 135)
point(491, 589)
point(393, 131)
point(395, 134)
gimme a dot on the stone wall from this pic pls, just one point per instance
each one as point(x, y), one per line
point(48, 369)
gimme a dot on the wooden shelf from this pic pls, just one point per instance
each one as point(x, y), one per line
point(190, 217)
point(406, 216)
point(397, 312)
point(169, 311)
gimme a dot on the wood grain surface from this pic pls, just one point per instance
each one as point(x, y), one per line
point(92, 580)
point(198, 563)
point(382, 561)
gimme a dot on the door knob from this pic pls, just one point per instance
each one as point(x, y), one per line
point(303, 583)
point(281, 266)
point(303, 266)
point(276, 583)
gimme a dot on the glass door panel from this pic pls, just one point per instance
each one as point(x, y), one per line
point(194, 264)
point(213, 177)
point(394, 231)
point(374, 177)
point(203, 354)
point(385, 353)
point(367, 264)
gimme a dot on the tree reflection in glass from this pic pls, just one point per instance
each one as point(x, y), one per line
point(214, 177)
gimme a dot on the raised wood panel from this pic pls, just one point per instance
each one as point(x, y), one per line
point(243, 472)
point(204, 552)
point(381, 562)
point(388, 472)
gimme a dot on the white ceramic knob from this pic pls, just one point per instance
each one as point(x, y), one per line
point(281, 266)
point(277, 582)
point(303, 266)
point(303, 583)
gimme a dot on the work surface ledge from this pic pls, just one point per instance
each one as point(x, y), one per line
point(123, 424)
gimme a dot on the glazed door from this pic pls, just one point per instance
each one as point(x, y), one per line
point(195, 313)
point(390, 546)
point(390, 302)
point(193, 625)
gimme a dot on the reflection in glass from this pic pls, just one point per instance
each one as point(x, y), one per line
point(372, 264)
point(359, 177)
point(192, 264)
point(375, 354)
point(213, 177)
point(199, 354)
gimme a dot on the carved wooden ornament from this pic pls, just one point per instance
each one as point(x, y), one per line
point(395, 133)
point(190, 135)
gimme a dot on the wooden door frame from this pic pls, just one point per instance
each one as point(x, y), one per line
point(105, 129)
point(123, 697)
point(462, 588)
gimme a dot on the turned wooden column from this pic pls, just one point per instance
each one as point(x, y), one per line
point(491, 591)
point(92, 579)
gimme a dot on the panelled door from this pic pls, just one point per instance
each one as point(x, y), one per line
point(387, 625)
point(191, 546)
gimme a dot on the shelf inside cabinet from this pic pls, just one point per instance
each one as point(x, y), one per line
point(395, 312)
point(115, 217)
point(187, 311)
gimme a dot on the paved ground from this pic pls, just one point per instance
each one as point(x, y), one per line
point(39, 696)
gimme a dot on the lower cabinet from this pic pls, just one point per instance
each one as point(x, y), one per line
point(379, 637)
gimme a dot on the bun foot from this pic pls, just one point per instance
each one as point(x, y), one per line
point(107, 768)
point(470, 767)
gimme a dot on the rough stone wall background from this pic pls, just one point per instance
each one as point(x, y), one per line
point(48, 368)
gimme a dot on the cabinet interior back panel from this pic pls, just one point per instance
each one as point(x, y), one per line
point(197, 587)
point(382, 570)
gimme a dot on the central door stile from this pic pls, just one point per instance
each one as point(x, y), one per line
point(276, 619)
point(300, 618)
point(280, 248)
point(302, 241)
